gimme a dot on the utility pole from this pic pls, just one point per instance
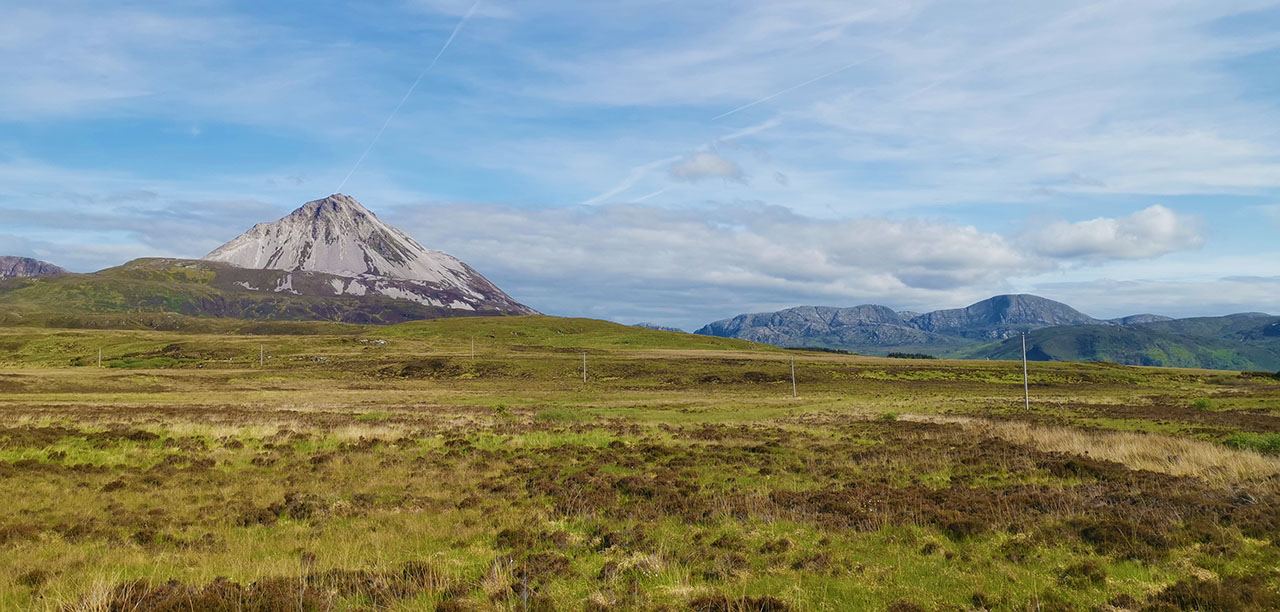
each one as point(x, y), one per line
point(262, 355)
point(99, 357)
point(793, 377)
point(473, 348)
point(584, 366)
point(1026, 386)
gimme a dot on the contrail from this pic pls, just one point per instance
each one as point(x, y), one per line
point(795, 87)
point(395, 110)
point(638, 172)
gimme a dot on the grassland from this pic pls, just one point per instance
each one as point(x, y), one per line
point(385, 468)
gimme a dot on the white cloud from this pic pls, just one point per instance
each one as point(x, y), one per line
point(706, 165)
point(1148, 233)
point(690, 266)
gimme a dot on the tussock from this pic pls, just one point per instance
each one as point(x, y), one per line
point(1140, 451)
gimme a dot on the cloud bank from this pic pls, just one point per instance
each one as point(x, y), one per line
point(1148, 233)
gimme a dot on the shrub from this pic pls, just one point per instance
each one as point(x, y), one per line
point(1202, 403)
point(1260, 442)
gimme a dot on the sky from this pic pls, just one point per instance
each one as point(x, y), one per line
point(674, 162)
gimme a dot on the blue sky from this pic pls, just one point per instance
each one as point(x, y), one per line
point(676, 162)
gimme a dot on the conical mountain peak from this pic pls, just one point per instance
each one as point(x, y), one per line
point(337, 235)
point(337, 204)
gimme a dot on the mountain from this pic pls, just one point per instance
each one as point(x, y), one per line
point(870, 325)
point(1139, 319)
point(990, 329)
point(1225, 343)
point(330, 260)
point(826, 327)
point(999, 317)
point(656, 327)
point(22, 267)
point(363, 256)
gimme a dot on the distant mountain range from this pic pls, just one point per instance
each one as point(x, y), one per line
point(656, 327)
point(329, 260)
point(991, 329)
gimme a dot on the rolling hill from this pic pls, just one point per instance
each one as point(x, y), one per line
point(197, 288)
point(1234, 342)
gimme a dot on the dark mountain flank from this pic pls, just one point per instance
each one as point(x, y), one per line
point(208, 289)
point(1222, 343)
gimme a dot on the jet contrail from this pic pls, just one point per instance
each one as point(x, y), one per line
point(395, 110)
point(795, 87)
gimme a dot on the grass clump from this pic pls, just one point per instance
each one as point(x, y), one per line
point(561, 415)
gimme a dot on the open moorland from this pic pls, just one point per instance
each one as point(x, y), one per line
point(237, 466)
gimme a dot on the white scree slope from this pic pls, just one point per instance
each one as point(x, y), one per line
point(336, 235)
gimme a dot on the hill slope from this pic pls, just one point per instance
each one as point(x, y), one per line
point(210, 289)
point(1223, 343)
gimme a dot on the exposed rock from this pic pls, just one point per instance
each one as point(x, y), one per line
point(14, 267)
point(339, 237)
point(1002, 316)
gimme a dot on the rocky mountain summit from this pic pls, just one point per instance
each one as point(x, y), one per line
point(362, 255)
point(1000, 317)
point(21, 267)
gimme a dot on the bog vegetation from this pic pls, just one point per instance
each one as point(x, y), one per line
point(386, 468)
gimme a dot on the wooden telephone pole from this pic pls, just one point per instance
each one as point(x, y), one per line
point(793, 377)
point(1026, 386)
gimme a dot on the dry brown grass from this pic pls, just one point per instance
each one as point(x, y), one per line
point(1177, 456)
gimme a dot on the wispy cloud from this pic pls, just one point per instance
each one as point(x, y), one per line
point(926, 121)
point(378, 135)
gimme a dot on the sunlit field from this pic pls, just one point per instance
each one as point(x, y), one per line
point(318, 467)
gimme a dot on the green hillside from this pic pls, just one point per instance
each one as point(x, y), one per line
point(192, 342)
point(1225, 344)
point(559, 333)
point(148, 287)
